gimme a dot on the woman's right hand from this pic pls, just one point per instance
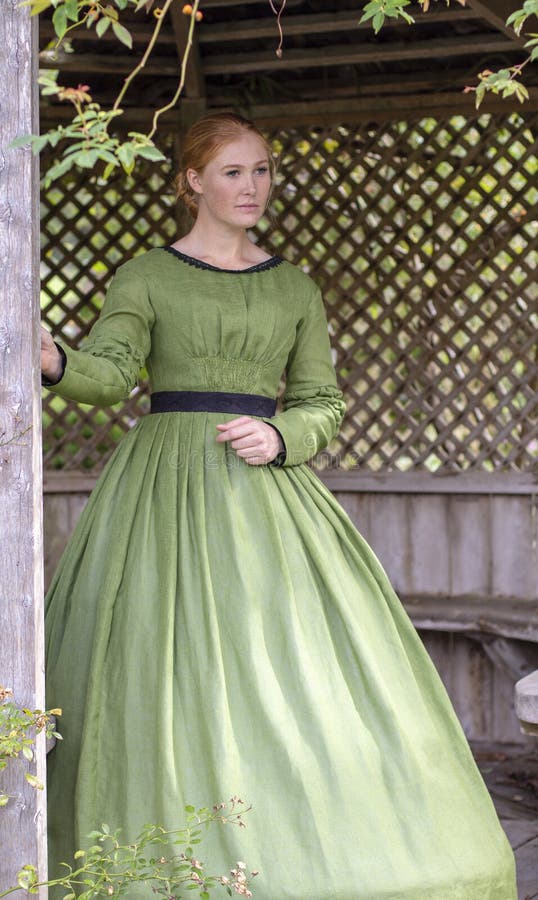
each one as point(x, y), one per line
point(51, 360)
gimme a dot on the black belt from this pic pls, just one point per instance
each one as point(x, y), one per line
point(212, 401)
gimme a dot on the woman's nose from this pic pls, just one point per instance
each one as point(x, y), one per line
point(249, 185)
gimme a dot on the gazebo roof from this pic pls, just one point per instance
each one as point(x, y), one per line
point(330, 64)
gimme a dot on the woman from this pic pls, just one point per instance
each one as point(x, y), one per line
point(217, 625)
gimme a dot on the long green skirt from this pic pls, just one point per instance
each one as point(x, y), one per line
point(215, 629)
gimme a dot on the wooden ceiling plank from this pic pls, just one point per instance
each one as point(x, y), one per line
point(379, 84)
point(323, 23)
point(309, 58)
point(109, 64)
point(332, 110)
point(141, 34)
point(316, 23)
point(356, 54)
point(342, 110)
point(495, 12)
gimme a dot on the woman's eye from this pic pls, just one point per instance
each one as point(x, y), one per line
point(232, 172)
point(262, 169)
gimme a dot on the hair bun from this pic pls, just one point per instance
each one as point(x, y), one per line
point(185, 193)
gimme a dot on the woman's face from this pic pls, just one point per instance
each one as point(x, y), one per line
point(233, 188)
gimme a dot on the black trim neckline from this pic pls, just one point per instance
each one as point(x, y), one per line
point(200, 264)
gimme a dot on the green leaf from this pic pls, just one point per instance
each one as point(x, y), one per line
point(126, 156)
point(59, 21)
point(57, 170)
point(378, 20)
point(27, 753)
point(54, 137)
point(480, 93)
point(122, 34)
point(37, 6)
point(106, 156)
point(102, 26)
point(150, 152)
point(111, 13)
point(71, 9)
point(21, 141)
point(38, 142)
point(4, 800)
point(370, 11)
point(108, 171)
point(35, 782)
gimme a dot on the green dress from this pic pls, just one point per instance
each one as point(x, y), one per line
point(218, 628)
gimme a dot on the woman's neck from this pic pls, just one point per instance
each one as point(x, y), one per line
point(229, 251)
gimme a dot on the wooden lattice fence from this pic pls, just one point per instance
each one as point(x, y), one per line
point(421, 237)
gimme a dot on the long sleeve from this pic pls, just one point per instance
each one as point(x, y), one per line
point(106, 368)
point(314, 406)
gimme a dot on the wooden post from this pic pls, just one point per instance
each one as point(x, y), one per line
point(23, 820)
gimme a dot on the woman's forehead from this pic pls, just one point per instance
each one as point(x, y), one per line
point(247, 150)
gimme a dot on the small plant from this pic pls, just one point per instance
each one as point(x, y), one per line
point(110, 868)
point(18, 730)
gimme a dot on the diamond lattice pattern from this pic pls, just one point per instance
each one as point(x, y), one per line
point(421, 237)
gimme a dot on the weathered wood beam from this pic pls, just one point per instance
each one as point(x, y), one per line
point(510, 483)
point(350, 109)
point(506, 617)
point(23, 820)
point(411, 83)
point(475, 483)
point(358, 54)
point(223, 4)
point(109, 64)
point(317, 23)
point(496, 13)
point(247, 29)
point(141, 34)
point(382, 108)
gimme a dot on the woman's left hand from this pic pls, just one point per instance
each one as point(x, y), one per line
point(255, 441)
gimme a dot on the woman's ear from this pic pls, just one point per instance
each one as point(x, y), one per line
point(194, 181)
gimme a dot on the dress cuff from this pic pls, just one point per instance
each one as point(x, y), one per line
point(280, 457)
point(45, 382)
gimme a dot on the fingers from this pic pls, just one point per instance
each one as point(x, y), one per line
point(254, 441)
point(239, 422)
point(241, 427)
